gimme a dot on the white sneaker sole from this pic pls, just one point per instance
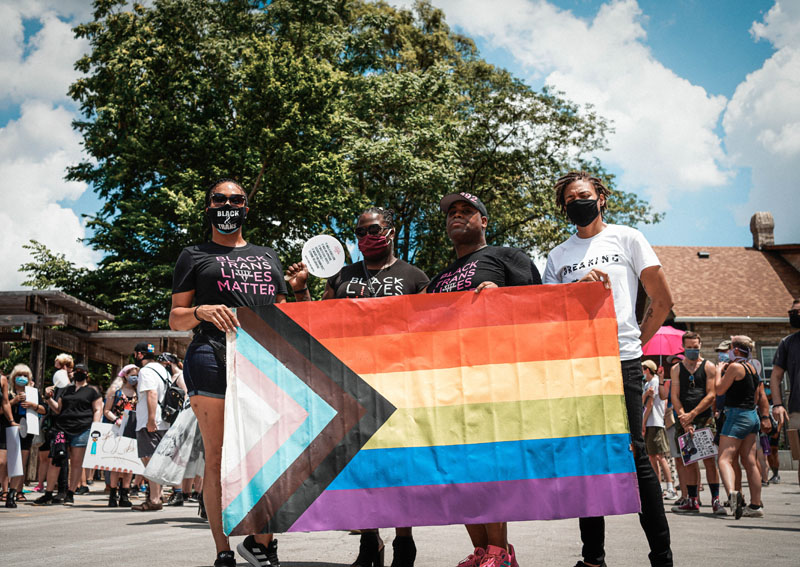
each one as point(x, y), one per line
point(250, 558)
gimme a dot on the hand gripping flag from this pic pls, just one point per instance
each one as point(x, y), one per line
point(426, 410)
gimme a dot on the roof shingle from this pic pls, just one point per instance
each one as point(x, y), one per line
point(731, 282)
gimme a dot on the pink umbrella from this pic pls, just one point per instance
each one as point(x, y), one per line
point(666, 341)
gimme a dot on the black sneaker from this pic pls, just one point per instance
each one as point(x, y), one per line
point(175, 499)
point(82, 490)
point(59, 498)
point(44, 500)
point(192, 497)
point(69, 498)
point(258, 555)
point(225, 559)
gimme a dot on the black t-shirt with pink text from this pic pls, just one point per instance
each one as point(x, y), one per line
point(497, 264)
point(237, 277)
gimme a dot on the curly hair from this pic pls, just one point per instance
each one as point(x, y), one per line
point(566, 180)
point(386, 214)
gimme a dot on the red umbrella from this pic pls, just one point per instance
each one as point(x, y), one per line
point(666, 341)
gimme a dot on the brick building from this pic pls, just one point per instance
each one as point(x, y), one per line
point(721, 291)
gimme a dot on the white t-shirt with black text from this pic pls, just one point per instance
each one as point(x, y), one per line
point(151, 377)
point(656, 417)
point(621, 252)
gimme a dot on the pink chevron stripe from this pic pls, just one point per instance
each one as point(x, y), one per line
point(292, 416)
point(472, 503)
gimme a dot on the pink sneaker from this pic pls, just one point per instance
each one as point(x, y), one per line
point(474, 559)
point(513, 556)
point(496, 557)
point(38, 488)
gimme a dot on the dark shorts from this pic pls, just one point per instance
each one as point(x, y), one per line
point(202, 372)
point(147, 442)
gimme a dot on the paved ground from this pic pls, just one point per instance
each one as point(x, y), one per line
point(89, 534)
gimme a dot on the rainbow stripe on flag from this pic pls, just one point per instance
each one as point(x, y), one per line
point(459, 408)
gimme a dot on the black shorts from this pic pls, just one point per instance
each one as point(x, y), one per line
point(202, 372)
point(147, 442)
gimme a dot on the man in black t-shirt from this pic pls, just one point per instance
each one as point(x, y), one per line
point(787, 362)
point(477, 267)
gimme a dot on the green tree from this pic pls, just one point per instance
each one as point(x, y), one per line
point(319, 108)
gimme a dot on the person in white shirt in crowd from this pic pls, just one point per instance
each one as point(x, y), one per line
point(150, 427)
point(655, 437)
point(620, 257)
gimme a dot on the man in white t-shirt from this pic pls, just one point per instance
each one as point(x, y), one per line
point(150, 428)
point(655, 436)
point(620, 257)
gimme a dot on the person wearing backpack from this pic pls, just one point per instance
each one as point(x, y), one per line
point(154, 380)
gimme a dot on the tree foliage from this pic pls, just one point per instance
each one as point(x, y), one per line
point(319, 108)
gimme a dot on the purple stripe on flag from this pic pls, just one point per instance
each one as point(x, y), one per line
point(472, 503)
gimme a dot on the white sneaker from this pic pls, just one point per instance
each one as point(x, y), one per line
point(751, 512)
point(670, 495)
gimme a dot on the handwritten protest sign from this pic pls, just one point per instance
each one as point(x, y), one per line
point(109, 452)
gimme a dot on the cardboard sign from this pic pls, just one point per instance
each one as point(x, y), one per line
point(697, 446)
point(324, 256)
point(458, 408)
point(109, 452)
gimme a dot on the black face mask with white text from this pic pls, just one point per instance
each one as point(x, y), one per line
point(227, 219)
point(794, 320)
point(583, 211)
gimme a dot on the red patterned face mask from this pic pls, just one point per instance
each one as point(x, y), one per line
point(374, 245)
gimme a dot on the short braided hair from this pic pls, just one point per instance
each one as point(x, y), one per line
point(566, 180)
point(386, 214)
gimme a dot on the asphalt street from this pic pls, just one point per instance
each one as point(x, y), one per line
point(91, 534)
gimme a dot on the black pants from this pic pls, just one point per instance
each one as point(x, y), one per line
point(652, 517)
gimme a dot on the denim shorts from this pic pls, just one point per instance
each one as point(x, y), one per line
point(79, 440)
point(202, 372)
point(739, 423)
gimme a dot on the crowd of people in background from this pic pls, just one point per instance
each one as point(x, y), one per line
point(67, 409)
point(667, 401)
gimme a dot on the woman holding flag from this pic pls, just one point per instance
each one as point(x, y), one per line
point(209, 279)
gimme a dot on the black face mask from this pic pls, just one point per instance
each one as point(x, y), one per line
point(80, 377)
point(582, 211)
point(794, 320)
point(227, 219)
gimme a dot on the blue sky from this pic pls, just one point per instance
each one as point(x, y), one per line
point(704, 96)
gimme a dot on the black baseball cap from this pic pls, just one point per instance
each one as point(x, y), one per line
point(147, 348)
point(81, 368)
point(448, 200)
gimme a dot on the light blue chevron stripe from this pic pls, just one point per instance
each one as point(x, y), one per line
point(319, 412)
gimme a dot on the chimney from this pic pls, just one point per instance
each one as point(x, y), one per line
point(762, 225)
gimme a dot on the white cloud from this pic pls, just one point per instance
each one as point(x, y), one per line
point(664, 138)
point(42, 67)
point(37, 148)
point(762, 124)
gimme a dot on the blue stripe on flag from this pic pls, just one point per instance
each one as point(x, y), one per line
point(487, 462)
point(319, 415)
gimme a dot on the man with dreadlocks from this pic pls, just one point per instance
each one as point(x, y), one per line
point(379, 274)
point(620, 257)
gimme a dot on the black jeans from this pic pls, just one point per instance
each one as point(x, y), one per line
point(652, 517)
